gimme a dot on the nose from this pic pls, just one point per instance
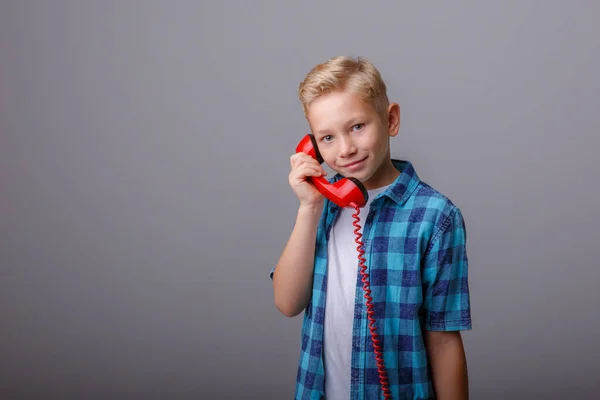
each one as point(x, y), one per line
point(347, 147)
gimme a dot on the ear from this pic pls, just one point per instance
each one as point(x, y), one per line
point(393, 119)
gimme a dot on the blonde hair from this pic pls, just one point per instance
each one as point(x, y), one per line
point(358, 75)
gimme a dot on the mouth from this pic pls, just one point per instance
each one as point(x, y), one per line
point(354, 164)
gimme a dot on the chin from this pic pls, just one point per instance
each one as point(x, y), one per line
point(363, 177)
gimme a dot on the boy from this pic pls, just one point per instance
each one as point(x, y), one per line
point(415, 248)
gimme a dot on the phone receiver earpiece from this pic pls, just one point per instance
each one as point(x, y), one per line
point(346, 192)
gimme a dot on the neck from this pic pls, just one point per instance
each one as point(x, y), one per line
point(386, 175)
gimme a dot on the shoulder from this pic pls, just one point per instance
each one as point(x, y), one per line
point(442, 212)
point(444, 215)
point(425, 193)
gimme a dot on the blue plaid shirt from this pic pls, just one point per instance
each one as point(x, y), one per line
point(415, 244)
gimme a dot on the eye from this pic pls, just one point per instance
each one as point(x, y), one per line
point(327, 138)
point(358, 127)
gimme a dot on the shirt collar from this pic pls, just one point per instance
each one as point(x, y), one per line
point(403, 186)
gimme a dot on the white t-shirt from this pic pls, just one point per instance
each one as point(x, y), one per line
point(340, 298)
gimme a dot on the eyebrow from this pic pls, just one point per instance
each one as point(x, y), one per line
point(323, 132)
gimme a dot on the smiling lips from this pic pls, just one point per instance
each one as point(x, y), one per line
point(354, 164)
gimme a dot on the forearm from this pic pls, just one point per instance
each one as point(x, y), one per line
point(292, 279)
point(448, 365)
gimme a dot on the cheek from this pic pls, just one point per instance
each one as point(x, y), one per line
point(374, 143)
point(328, 156)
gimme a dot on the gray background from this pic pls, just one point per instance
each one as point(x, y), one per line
point(144, 155)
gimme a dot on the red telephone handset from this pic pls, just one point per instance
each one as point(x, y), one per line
point(345, 192)
point(350, 192)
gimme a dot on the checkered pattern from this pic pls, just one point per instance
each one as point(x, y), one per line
point(415, 243)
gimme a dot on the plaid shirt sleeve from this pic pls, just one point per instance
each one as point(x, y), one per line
point(446, 301)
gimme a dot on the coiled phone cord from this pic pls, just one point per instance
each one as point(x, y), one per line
point(383, 379)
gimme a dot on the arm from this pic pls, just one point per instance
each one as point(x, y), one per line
point(293, 275)
point(447, 308)
point(448, 365)
point(292, 279)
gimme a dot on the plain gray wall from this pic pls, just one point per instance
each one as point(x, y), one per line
point(144, 155)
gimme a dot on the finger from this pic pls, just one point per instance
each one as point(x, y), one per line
point(308, 170)
point(313, 164)
point(300, 157)
point(307, 160)
point(301, 173)
point(294, 159)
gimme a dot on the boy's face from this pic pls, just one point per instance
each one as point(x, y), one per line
point(352, 138)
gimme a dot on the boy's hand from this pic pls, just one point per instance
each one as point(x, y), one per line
point(304, 166)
